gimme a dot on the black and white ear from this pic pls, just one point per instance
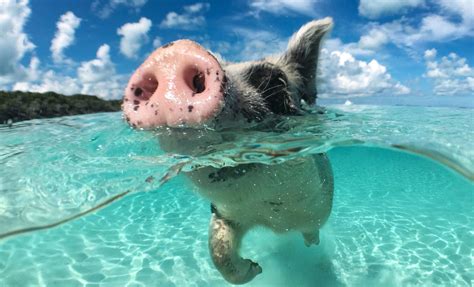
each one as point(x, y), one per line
point(302, 55)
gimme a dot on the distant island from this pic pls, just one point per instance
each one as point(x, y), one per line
point(20, 106)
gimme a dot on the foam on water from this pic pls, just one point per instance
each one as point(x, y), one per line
point(398, 219)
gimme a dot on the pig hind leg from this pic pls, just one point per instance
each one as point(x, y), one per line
point(224, 241)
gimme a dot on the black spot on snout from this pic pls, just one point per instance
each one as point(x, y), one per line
point(190, 108)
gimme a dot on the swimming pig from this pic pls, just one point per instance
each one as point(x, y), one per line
point(183, 86)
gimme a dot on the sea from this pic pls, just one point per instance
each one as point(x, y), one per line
point(88, 201)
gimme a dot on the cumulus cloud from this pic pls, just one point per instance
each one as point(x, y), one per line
point(454, 20)
point(463, 8)
point(451, 75)
point(409, 36)
point(95, 77)
point(196, 8)
point(342, 75)
point(51, 81)
point(64, 37)
point(373, 40)
point(430, 54)
point(367, 45)
point(14, 43)
point(255, 44)
point(134, 35)
point(104, 8)
point(98, 69)
point(191, 19)
point(305, 7)
point(98, 76)
point(375, 8)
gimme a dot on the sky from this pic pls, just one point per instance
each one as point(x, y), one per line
point(413, 52)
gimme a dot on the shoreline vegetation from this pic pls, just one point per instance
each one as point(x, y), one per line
point(18, 106)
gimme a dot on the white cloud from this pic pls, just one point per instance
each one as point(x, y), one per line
point(451, 75)
point(134, 35)
point(98, 69)
point(14, 43)
point(196, 8)
point(354, 48)
point(342, 75)
point(64, 37)
point(429, 54)
point(105, 8)
point(50, 81)
point(454, 20)
point(438, 28)
point(305, 7)
point(157, 42)
point(189, 20)
point(367, 45)
point(407, 35)
point(375, 8)
point(373, 40)
point(463, 8)
point(95, 77)
point(256, 44)
point(98, 76)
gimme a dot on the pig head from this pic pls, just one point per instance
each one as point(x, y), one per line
point(182, 84)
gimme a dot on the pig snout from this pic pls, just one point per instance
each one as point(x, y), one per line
point(180, 83)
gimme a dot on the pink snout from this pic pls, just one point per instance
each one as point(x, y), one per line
point(179, 84)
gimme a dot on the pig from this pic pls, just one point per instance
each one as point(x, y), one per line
point(182, 86)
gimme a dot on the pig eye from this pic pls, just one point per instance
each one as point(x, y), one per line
point(267, 78)
point(271, 82)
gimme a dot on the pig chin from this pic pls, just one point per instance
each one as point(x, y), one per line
point(180, 84)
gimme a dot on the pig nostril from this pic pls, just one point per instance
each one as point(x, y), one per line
point(198, 83)
point(145, 88)
point(194, 79)
point(138, 92)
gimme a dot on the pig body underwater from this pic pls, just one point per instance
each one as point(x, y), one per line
point(183, 85)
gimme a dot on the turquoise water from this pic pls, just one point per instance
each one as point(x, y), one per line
point(398, 219)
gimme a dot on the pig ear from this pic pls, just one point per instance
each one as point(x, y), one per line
point(302, 55)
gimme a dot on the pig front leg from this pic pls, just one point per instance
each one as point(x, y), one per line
point(224, 242)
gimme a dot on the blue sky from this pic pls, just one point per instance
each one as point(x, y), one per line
point(400, 51)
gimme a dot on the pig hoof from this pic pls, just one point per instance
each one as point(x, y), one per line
point(311, 238)
point(248, 271)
